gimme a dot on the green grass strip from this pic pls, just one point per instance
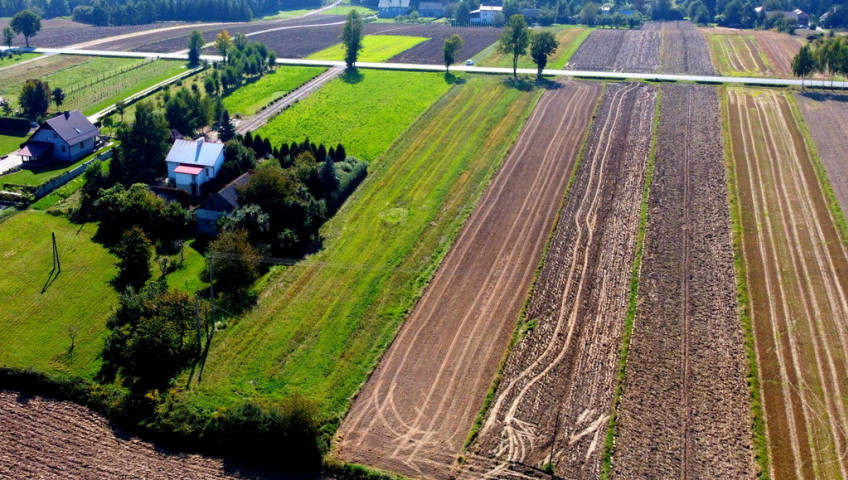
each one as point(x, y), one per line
point(572, 47)
point(609, 441)
point(758, 429)
point(525, 325)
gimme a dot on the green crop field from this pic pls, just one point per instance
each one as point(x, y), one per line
point(248, 99)
point(365, 111)
point(569, 39)
point(375, 48)
point(321, 325)
point(35, 321)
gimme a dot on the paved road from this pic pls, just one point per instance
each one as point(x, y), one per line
point(778, 82)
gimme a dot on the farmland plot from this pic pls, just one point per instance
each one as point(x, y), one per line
point(827, 117)
point(417, 408)
point(685, 412)
point(619, 51)
point(797, 288)
point(684, 50)
point(553, 402)
point(45, 438)
point(752, 53)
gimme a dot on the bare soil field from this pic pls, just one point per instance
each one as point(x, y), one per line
point(57, 32)
point(684, 50)
point(797, 287)
point(826, 114)
point(685, 411)
point(556, 393)
point(45, 438)
point(619, 51)
point(752, 52)
point(431, 51)
point(418, 406)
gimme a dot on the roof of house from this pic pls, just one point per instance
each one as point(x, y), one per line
point(35, 149)
point(226, 200)
point(72, 127)
point(491, 8)
point(188, 169)
point(393, 4)
point(193, 152)
point(431, 6)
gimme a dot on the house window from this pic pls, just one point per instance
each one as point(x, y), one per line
point(63, 149)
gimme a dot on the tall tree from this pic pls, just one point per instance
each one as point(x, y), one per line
point(463, 13)
point(803, 64)
point(514, 40)
point(352, 38)
point(223, 43)
point(542, 44)
point(133, 252)
point(226, 130)
point(58, 97)
point(35, 97)
point(235, 262)
point(8, 36)
point(27, 23)
point(143, 147)
point(195, 44)
point(452, 46)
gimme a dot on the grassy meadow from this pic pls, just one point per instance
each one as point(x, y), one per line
point(11, 140)
point(39, 308)
point(375, 48)
point(15, 59)
point(321, 325)
point(569, 39)
point(250, 98)
point(365, 111)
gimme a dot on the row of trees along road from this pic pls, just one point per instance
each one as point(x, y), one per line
point(823, 55)
point(516, 38)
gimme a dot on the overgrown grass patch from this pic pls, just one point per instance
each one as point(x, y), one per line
point(365, 111)
point(375, 48)
point(249, 99)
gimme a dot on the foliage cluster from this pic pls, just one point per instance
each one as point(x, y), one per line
point(244, 60)
point(824, 55)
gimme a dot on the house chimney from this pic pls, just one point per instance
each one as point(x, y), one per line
point(67, 114)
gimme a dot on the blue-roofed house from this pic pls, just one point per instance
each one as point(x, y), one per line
point(191, 163)
point(218, 205)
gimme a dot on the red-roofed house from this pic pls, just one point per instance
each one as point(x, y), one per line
point(193, 163)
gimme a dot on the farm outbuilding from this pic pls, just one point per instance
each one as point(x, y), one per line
point(392, 8)
point(218, 205)
point(68, 136)
point(193, 163)
point(431, 9)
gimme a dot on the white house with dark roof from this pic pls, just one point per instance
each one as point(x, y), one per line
point(392, 8)
point(191, 163)
point(485, 15)
point(68, 136)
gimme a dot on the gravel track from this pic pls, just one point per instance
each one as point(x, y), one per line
point(416, 409)
point(826, 115)
point(685, 411)
point(556, 391)
point(797, 288)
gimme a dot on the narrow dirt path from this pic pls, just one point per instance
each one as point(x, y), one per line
point(415, 411)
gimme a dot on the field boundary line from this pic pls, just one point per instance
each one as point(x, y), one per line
point(612, 426)
point(761, 452)
point(522, 326)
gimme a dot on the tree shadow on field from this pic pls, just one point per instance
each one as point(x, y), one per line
point(352, 76)
point(452, 79)
point(548, 84)
point(520, 83)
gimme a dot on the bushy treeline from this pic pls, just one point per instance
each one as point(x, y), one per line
point(826, 55)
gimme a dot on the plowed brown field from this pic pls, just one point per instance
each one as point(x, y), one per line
point(796, 275)
point(42, 438)
point(753, 52)
point(827, 116)
point(556, 394)
point(418, 406)
point(685, 411)
point(685, 50)
point(619, 51)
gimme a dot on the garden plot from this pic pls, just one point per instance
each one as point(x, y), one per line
point(827, 117)
point(417, 408)
point(685, 411)
point(685, 50)
point(635, 51)
point(797, 289)
point(553, 402)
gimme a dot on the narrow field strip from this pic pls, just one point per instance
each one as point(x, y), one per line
point(738, 55)
point(798, 303)
point(553, 402)
point(250, 98)
point(569, 40)
point(417, 408)
point(684, 410)
point(375, 48)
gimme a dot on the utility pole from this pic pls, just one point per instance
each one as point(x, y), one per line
point(57, 265)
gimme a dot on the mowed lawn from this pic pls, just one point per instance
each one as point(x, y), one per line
point(321, 325)
point(569, 40)
point(365, 111)
point(250, 98)
point(35, 321)
point(375, 48)
point(11, 140)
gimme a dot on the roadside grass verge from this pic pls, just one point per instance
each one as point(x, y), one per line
point(612, 426)
point(364, 110)
point(250, 98)
point(569, 39)
point(39, 308)
point(758, 427)
point(321, 325)
point(376, 48)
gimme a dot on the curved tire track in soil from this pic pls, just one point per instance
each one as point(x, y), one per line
point(554, 400)
point(684, 412)
point(414, 412)
point(795, 262)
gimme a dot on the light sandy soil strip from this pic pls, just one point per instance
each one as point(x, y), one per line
point(415, 411)
point(796, 273)
point(685, 411)
point(555, 397)
point(42, 438)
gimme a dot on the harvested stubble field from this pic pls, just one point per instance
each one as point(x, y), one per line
point(620, 51)
point(752, 53)
point(685, 50)
point(795, 263)
point(684, 411)
point(827, 116)
point(45, 438)
point(417, 408)
point(554, 400)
